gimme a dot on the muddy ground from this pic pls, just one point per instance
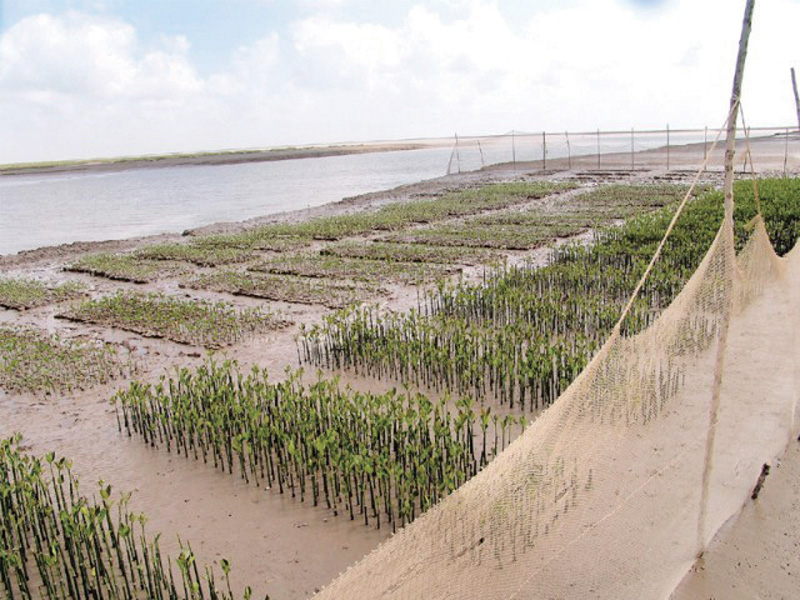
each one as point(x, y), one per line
point(275, 544)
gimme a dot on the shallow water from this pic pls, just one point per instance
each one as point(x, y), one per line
point(48, 209)
point(43, 210)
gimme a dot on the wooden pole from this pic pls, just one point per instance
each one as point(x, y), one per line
point(667, 146)
point(513, 149)
point(632, 159)
point(730, 141)
point(598, 147)
point(796, 98)
point(786, 152)
point(544, 151)
point(705, 143)
point(458, 155)
point(725, 325)
point(569, 152)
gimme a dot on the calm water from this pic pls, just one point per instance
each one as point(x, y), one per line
point(45, 210)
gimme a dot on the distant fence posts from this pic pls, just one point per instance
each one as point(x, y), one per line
point(633, 160)
point(655, 143)
point(598, 147)
point(513, 149)
point(667, 146)
point(544, 151)
point(569, 151)
point(786, 152)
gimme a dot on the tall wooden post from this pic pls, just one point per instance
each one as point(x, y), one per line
point(598, 147)
point(632, 159)
point(513, 149)
point(796, 98)
point(719, 364)
point(569, 152)
point(544, 151)
point(667, 146)
point(730, 142)
point(785, 152)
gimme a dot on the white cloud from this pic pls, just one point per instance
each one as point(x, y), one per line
point(78, 84)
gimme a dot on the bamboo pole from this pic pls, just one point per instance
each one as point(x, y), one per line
point(719, 365)
point(598, 147)
point(667, 146)
point(544, 151)
point(632, 158)
point(796, 98)
point(569, 151)
point(513, 148)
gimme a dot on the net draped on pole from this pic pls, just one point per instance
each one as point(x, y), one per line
point(616, 488)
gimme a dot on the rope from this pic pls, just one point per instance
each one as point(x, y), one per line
point(681, 206)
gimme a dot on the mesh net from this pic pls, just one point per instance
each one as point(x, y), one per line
point(617, 488)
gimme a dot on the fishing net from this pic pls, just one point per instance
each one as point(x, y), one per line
point(618, 487)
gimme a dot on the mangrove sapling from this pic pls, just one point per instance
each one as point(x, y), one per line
point(32, 360)
point(526, 332)
point(188, 321)
point(59, 544)
point(22, 294)
point(383, 458)
point(125, 267)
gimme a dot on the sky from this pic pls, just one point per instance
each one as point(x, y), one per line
point(95, 78)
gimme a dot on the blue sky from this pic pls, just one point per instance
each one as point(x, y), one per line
point(83, 78)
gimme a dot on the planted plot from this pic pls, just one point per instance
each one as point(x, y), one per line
point(419, 253)
point(205, 255)
point(23, 294)
point(620, 201)
point(196, 322)
point(526, 334)
point(364, 270)
point(32, 360)
point(125, 267)
point(254, 239)
point(283, 288)
point(499, 236)
point(398, 215)
point(59, 544)
point(381, 458)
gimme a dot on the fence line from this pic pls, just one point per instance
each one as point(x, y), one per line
point(476, 151)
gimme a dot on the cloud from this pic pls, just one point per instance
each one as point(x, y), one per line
point(55, 58)
point(79, 84)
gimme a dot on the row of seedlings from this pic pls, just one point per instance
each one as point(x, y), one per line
point(379, 456)
point(525, 334)
point(59, 544)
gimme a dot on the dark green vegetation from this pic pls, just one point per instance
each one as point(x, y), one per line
point(387, 456)
point(22, 294)
point(526, 334)
point(204, 255)
point(525, 230)
point(32, 360)
point(356, 269)
point(620, 201)
point(512, 235)
point(61, 545)
point(198, 322)
point(125, 267)
point(420, 253)
point(394, 216)
point(283, 288)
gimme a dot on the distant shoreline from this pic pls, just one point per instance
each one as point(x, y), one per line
point(205, 158)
